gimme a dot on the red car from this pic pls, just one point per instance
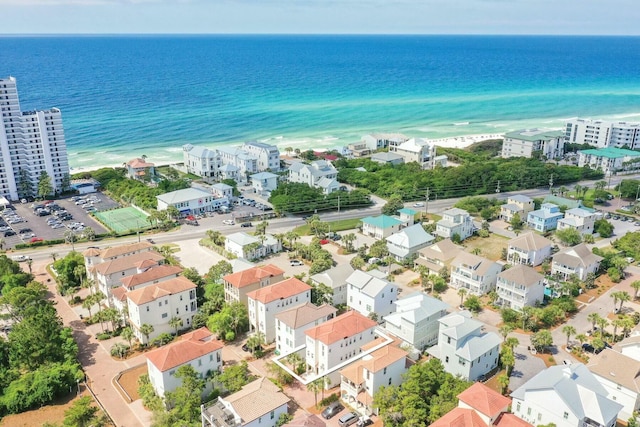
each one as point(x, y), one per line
point(36, 239)
point(324, 241)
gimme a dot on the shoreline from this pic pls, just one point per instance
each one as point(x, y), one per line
point(461, 141)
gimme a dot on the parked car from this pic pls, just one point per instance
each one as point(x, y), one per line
point(36, 239)
point(324, 241)
point(332, 410)
point(348, 419)
point(364, 422)
point(296, 263)
point(9, 233)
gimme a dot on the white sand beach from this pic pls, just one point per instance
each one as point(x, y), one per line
point(465, 140)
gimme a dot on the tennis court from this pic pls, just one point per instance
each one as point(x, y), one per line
point(124, 219)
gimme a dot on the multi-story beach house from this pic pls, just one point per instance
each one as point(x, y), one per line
point(377, 141)
point(191, 201)
point(529, 248)
point(259, 404)
point(474, 273)
point(519, 286)
point(544, 219)
point(94, 256)
point(455, 222)
point(578, 260)
point(619, 374)
point(319, 173)
point(361, 380)
point(415, 320)
point(578, 219)
point(201, 161)
point(370, 292)
point(264, 182)
point(157, 304)
point(567, 396)
point(237, 285)
point(140, 169)
point(438, 256)
point(267, 155)
point(336, 279)
point(381, 226)
point(150, 276)
point(198, 349)
point(265, 303)
point(244, 245)
point(526, 143)
point(609, 160)
point(291, 324)
point(463, 348)
point(407, 242)
point(31, 143)
point(517, 204)
point(603, 134)
point(416, 150)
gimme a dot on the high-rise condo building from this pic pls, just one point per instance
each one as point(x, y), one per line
point(603, 134)
point(31, 142)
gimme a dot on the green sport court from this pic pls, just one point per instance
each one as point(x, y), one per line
point(124, 220)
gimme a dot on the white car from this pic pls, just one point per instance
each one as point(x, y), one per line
point(418, 205)
point(5, 228)
point(56, 226)
point(229, 222)
point(20, 258)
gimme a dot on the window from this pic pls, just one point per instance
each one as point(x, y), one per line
point(565, 416)
point(384, 372)
point(389, 380)
point(529, 411)
point(165, 315)
point(273, 414)
point(518, 407)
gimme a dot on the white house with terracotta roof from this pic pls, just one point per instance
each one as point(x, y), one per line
point(140, 169)
point(361, 380)
point(406, 242)
point(259, 404)
point(238, 285)
point(519, 286)
point(578, 260)
point(198, 349)
point(291, 324)
point(265, 303)
point(578, 219)
point(475, 273)
point(94, 256)
point(463, 348)
point(529, 249)
point(517, 204)
point(619, 374)
point(415, 320)
point(151, 276)
point(566, 395)
point(336, 341)
point(157, 304)
point(455, 222)
point(335, 278)
point(370, 292)
point(438, 256)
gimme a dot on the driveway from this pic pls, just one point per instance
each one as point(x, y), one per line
point(527, 365)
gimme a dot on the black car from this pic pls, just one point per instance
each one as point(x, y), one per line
point(25, 230)
point(9, 233)
point(363, 423)
point(246, 224)
point(332, 410)
point(245, 347)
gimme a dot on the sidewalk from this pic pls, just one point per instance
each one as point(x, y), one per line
point(99, 366)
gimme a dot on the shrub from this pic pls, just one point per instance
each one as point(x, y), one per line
point(162, 339)
point(329, 400)
point(103, 336)
point(229, 336)
point(119, 350)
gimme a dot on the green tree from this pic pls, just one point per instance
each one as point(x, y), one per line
point(24, 184)
point(82, 413)
point(176, 323)
point(636, 287)
point(186, 399)
point(505, 330)
point(219, 270)
point(461, 293)
point(541, 340)
point(568, 331)
point(127, 334)
point(603, 227)
point(593, 318)
point(44, 185)
point(315, 386)
point(348, 240)
point(508, 360)
point(233, 378)
point(503, 381)
point(516, 222)
point(473, 304)
point(146, 330)
point(393, 205)
point(569, 236)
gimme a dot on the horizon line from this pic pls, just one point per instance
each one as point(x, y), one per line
point(311, 34)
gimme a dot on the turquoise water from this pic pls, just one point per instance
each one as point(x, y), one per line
point(125, 96)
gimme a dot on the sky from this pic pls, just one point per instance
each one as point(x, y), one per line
point(576, 17)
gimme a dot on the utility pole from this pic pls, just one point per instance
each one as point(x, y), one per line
point(498, 187)
point(338, 208)
point(426, 206)
point(550, 183)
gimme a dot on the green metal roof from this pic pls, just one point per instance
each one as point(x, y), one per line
point(408, 211)
point(610, 152)
point(534, 135)
point(382, 221)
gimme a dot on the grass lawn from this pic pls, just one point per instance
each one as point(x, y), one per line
point(341, 225)
point(490, 247)
point(164, 170)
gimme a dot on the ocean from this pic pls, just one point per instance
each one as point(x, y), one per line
point(125, 96)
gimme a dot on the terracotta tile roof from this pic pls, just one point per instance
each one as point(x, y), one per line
point(345, 325)
point(125, 249)
point(139, 163)
point(281, 290)
point(373, 362)
point(159, 290)
point(304, 314)
point(459, 417)
point(91, 252)
point(119, 294)
point(485, 400)
point(150, 275)
point(144, 264)
point(191, 346)
point(252, 275)
point(125, 263)
point(510, 420)
point(256, 399)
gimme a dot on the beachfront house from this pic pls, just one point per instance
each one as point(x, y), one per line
point(474, 273)
point(415, 320)
point(609, 160)
point(533, 143)
point(312, 174)
point(378, 141)
point(603, 134)
point(455, 222)
point(581, 220)
point(519, 286)
point(199, 349)
point(237, 285)
point(380, 227)
point(463, 348)
point(418, 150)
point(201, 161)
point(191, 201)
point(517, 204)
point(387, 158)
point(567, 396)
point(578, 260)
point(140, 169)
point(528, 248)
point(267, 155)
point(264, 182)
point(544, 219)
point(407, 242)
point(265, 303)
point(336, 279)
point(370, 292)
point(291, 324)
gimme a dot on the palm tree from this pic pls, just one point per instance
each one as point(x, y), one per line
point(146, 330)
point(88, 303)
point(511, 342)
point(348, 240)
point(175, 322)
point(70, 236)
point(476, 251)
point(636, 287)
point(619, 322)
point(315, 386)
point(462, 292)
point(615, 295)
point(505, 330)
point(562, 190)
point(89, 233)
point(503, 381)
point(602, 323)
point(600, 185)
point(578, 190)
point(30, 264)
point(623, 296)
point(508, 360)
point(582, 338)
point(568, 330)
point(294, 360)
point(593, 318)
point(54, 256)
point(127, 334)
point(288, 150)
point(526, 315)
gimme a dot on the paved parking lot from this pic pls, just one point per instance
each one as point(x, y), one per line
point(34, 226)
